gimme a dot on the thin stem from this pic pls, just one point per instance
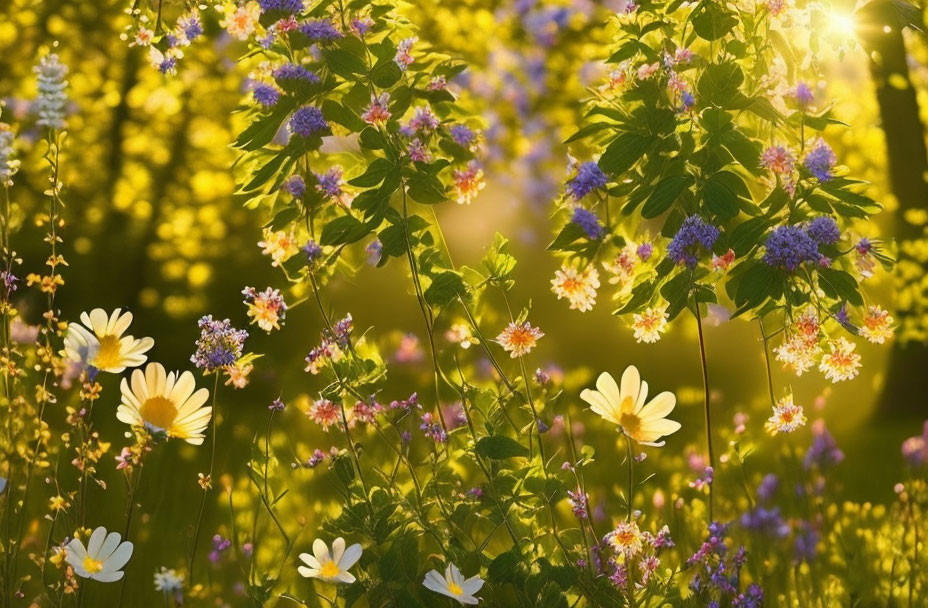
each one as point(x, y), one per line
point(214, 422)
point(631, 476)
point(705, 385)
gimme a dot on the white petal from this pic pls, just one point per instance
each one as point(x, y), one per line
point(631, 383)
point(321, 551)
point(120, 557)
point(659, 407)
point(350, 557)
point(610, 390)
point(96, 540)
point(338, 549)
point(311, 561)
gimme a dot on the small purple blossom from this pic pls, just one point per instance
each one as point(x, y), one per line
point(804, 95)
point(824, 230)
point(287, 6)
point(277, 405)
point(694, 233)
point(320, 30)
point(432, 429)
point(589, 177)
point(312, 250)
point(788, 247)
point(588, 221)
point(293, 72)
point(463, 135)
point(265, 94)
point(294, 186)
point(644, 251)
point(219, 344)
point(820, 160)
point(308, 121)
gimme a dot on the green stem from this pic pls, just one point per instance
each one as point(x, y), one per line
point(706, 408)
point(214, 422)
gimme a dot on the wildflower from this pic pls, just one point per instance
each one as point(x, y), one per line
point(419, 152)
point(693, 234)
point(58, 503)
point(220, 546)
point(324, 413)
point(647, 70)
point(168, 581)
point(409, 350)
point(404, 57)
point(578, 502)
point(266, 308)
point(842, 363)
point(454, 585)
point(626, 539)
point(165, 402)
point(320, 30)
point(100, 342)
point(143, 37)
point(287, 6)
point(820, 160)
point(824, 451)
point(863, 258)
point(423, 121)
point(915, 449)
point(330, 567)
point(290, 72)
point(579, 287)
point(723, 262)
point(519, 338)
point(313, 251)
point(703, 481)
point(463, 136)
point(650, 324)
point(460, 334)
point(294, 186)
point(626, 407)
point(265, 94)
point(190, 25)
point(877, 326)
point(166, 62)
point(468, 183)
point(277, 405)
point(377, 113)
point(307, 121)
point(280, 245)
point(102, 559)
point(219, 344)
point(432, 429)
point(242, 22)
point(588, 221)
point(787, 417)
point(51, 99)
point(778, 160)
point(623, 267)
point(803, 95)
point(9, 166)
point(824, 230)
point(799, 353)
point(589, 178)
point(788, 247)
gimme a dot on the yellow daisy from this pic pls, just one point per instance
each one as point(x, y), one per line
point(100, 342)
point(166, 403)
point(625, 407)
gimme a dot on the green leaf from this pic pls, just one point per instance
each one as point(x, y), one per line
point(426, 189)
point(343, 230)
point(623, 152)
point(676, 291)
point(721, 194)
point(664, 194)
point(344, 63)
point(839, 284)
point(445, 288)
point(711, 20)
point(758, 283)
point(375, 173)
point(719, 84)
point(386, 73)
point(499, 447)
point(262, 131)
point(569, 234)
point(339, 114)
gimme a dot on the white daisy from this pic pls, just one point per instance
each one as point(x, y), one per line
point(330, 567)
point(454, 585)
point(99, 342)
point(166, 403)
point(102, 559)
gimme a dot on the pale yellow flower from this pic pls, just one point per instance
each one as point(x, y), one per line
point(649, 325)
point(165, 402)
point(99, 342)
point(330, 567)
point(787, 417)
point(626, 407)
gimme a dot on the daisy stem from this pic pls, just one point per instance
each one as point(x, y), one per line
point(130, 509)
point(631, 476)
point(705, 386)
point(766, 339)
point(212, 459)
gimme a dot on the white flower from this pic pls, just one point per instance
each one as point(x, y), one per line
point(168, 580)
point(100, 342)
point(166, 402)
point(330, 567)
point(52, 97)
point(103, 558)
point(454, 585)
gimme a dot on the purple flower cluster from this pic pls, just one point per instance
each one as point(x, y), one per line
point(463, 135)
point(277, 405)
point(308, 121)
point(191, 26)
point(788, 247)
point(588, 221)
point(766, 521)
point(219, 344)
point(220, 546)
point(432, 429)
point(293, 72)
point(589, 177)
point(287, 6)
point(265, 94)
point(717, 580)
point(312, 250)
point(820, 160)
point(407, 405)
point(320, 30)
point(824, 230)
point(294, 186)
point(824, 451)
point(804, 95)
point(694, 234)
point(340, 332)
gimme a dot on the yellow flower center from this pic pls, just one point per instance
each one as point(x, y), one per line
point(330, 570)
point(631, 424)
point(159, 412)
point(454, 589)
point(110, 354)
point(92, 565)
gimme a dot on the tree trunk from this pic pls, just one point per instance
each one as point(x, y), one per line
point(906, 380)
